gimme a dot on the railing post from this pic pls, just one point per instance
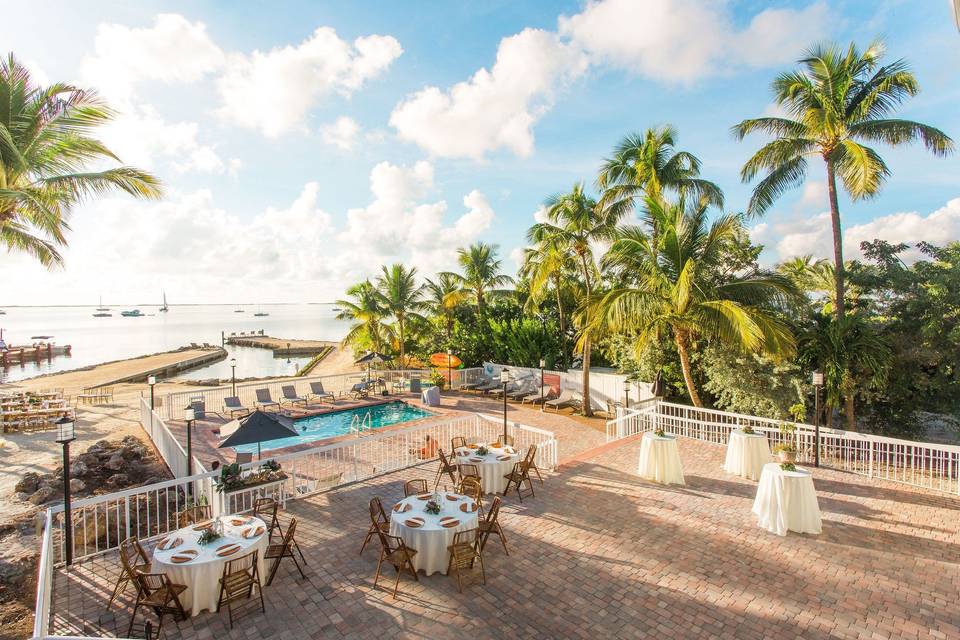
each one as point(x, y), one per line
point(870, 468)
point(126, 515)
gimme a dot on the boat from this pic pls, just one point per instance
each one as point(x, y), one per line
point(164, 308)
point(135, 313)
point(2, 312)
point(260, 313)
point(102, 314)
point(101, 307)
point(337, 309)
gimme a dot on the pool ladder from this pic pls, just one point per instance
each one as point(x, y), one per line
point(357, 425)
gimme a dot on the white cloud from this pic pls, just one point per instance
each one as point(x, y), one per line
point(680, 41)
point(496, 108)
point(173, 50)
point(341, 133)
point(273, 91)
point(802, 235)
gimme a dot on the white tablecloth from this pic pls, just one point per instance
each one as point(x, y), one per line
point(491, 467)
point(746, 454)
point(202, 574)
point(786, 501)
point(431, 540)
point(660, 459)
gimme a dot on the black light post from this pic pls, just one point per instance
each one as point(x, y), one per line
point(152, 381)
point(449, 373)
point(189, 415)
point(817, 380)
point(543, 400)
point(626, 393)
point(233, 376)
point(504, 378)
point(65, 435)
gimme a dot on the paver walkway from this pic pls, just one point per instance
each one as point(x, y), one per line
point(599, 553)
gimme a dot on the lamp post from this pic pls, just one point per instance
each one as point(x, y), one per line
point(817, 379)
point(189, 415)
point(152, 381)
point(504, 378)
point(543, 363)
point(626, 393)
point(449, 373)
point(65, 435)
point(233, 376)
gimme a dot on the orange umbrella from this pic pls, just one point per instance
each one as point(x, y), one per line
point(443, 360)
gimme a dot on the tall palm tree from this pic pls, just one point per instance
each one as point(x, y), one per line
point(481, 273)
point(366, 312)
point(549, 269)
point(682, 289)
point(401, 297)
point(46, 147)
point(444, 295)
point(838, 101)
point(575, 223)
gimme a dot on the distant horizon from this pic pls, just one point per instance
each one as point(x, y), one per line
point(154, 304)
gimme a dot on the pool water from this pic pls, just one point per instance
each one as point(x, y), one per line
point(337, 423)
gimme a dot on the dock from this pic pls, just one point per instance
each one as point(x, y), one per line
point(21, 354)
point(282, 346)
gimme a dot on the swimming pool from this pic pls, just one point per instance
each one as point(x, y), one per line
point(337, 423)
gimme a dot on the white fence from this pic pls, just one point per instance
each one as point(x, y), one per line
point(920, 464)
point(170, 450)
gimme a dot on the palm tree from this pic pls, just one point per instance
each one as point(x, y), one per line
point(365, 310)
point(548, 267)
point(575, 222)
point(444, 295)
point(481, 274)
point(837, 102)
point(45, 148)
point(401, 297)
point(682, 289)
point(648, 166)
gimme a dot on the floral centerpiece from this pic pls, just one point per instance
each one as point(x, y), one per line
point(482, 450)
point(659, 432)
point(209, 535)
point(231, 478)
point(788, 466)
point(786, 451)
point(748, 430)
point(432, 507)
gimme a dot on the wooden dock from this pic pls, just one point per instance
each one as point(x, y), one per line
point(21, 354)
point(282, 346)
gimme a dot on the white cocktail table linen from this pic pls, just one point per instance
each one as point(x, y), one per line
point(493, 467)
point(660, 459)
point(431, 540)
point(786, 501)
point(746, 454)
point(202, 574)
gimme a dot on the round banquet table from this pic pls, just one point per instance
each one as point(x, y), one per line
point(493, 467)
point(431, 540)
point(660, 459)
point(202, 575)
point(746, 454)
point(786, 501)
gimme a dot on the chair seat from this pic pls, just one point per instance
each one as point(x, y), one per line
point(401, 555)
point(143, 568)
point(161, 597)
point(274, 551)
point(487, 526)
point(514, 475)
point(237, 581)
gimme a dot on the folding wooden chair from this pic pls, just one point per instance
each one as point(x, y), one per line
point(464, 553)
point(414, 487)
point(133, 560)
point(158, 593)
point(395, 552)
point(278, 552)
point(491, 524)
point(379, 522)
point(531, 459)
point(457, 442)
point(446, 467)
point(267, 509)
point(194, 514)
point(239, 578)
point(469, 470)
point(519, 475)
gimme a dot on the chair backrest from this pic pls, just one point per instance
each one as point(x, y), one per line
point(317, 387)
point(263, 395)
point(151, 582)
point(457, 442)
point(531, 455)
point(288, 538)
point(232, 402)
point(244, 564)
point(444, 462)
point(360, 386)
point(469, 470)
point(289, 391)
point(414, 487)
point(129, 556)
point(377, 514)
point(243, 457)
point(196, 513)
point(471, 486)
point(265, 509)
point(494, 511)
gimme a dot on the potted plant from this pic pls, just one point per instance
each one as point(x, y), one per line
point(786, 451)
point(438, 379)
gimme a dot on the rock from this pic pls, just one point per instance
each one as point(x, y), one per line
point(41, 495)
point(21, 496)
point(29, 483)
point(116, 462)
point(89, 459)
point(132, 451)
point(99, 446)
point(118, 480)
point(77, 485)
point(78, 468)
point(129, 441)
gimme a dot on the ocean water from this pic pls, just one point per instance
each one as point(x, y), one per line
point(338, 423)
point(96, 340)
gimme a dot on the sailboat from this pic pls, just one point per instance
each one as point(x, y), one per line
point(101, 307)
point(238, 310)
point(164, 308)
point(102, 311)
point(260, 313)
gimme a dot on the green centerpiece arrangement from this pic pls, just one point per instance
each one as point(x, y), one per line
point(659, 432)
point(432, 507)
point(482, 450)
point(788, 466)
point(231, 476)
point(748, 430)
point(209, 535)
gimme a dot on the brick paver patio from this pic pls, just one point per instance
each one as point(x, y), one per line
point(599, 553)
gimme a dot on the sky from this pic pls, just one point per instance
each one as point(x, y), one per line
point(304, 145)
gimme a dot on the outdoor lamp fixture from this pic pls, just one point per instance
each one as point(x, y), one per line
point(543, 363)
point(152, 381)
point(449, 374)
point(190, 416)
point(817, 380)
point(65, 435)
point(233, 376)
point(626, 393)
point(504, 379)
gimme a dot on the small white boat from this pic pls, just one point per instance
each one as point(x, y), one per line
point(134, 313)
point(260, 313)
point(164, 308)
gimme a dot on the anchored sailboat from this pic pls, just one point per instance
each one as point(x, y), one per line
point(102, 311)
point(164, 306)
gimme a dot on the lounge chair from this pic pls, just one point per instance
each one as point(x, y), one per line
point(232, 406)
point(537, 398)
point(360, 390)
point(488, 387)
point(567, 399)
point(511, 388)
point(265, 400)
point(290, 395)
point(317, 391)
point(521, 393)
point(471, 386)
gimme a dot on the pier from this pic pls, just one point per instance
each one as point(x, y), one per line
point(282, 346)
point(20, 354)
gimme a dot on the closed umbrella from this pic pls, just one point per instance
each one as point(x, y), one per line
point(256, 428)
point(658, 386)
point(371, 357)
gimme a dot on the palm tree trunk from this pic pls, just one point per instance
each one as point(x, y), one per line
point(683, 345)
point(403, 352)
point(838, 305)
point(848, 407)
point(587, 407)
point(563, 323)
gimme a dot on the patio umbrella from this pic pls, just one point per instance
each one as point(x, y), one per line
point(257, 427)
point(373, 356)
point(657, 388)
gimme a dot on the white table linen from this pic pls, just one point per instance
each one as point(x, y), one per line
point(202, 574)
point(431, 540)
point(746, 454)
point(492, 469)
point(660, 459)
point(786, 501)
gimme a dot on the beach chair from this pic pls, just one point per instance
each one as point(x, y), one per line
point(360, 390)
point(317, 391)
point(567, 398)
point(488, 387)
point(290, 395)
point(537, 398)
point(511, 388)
point(265, 400)
point(521, 392)
point(472, 386)
point(232, 406)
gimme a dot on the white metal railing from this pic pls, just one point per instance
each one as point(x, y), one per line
point(44, 579)
point(168, 446)
point(920, 464)
point(172, 405)
point(632, 421)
